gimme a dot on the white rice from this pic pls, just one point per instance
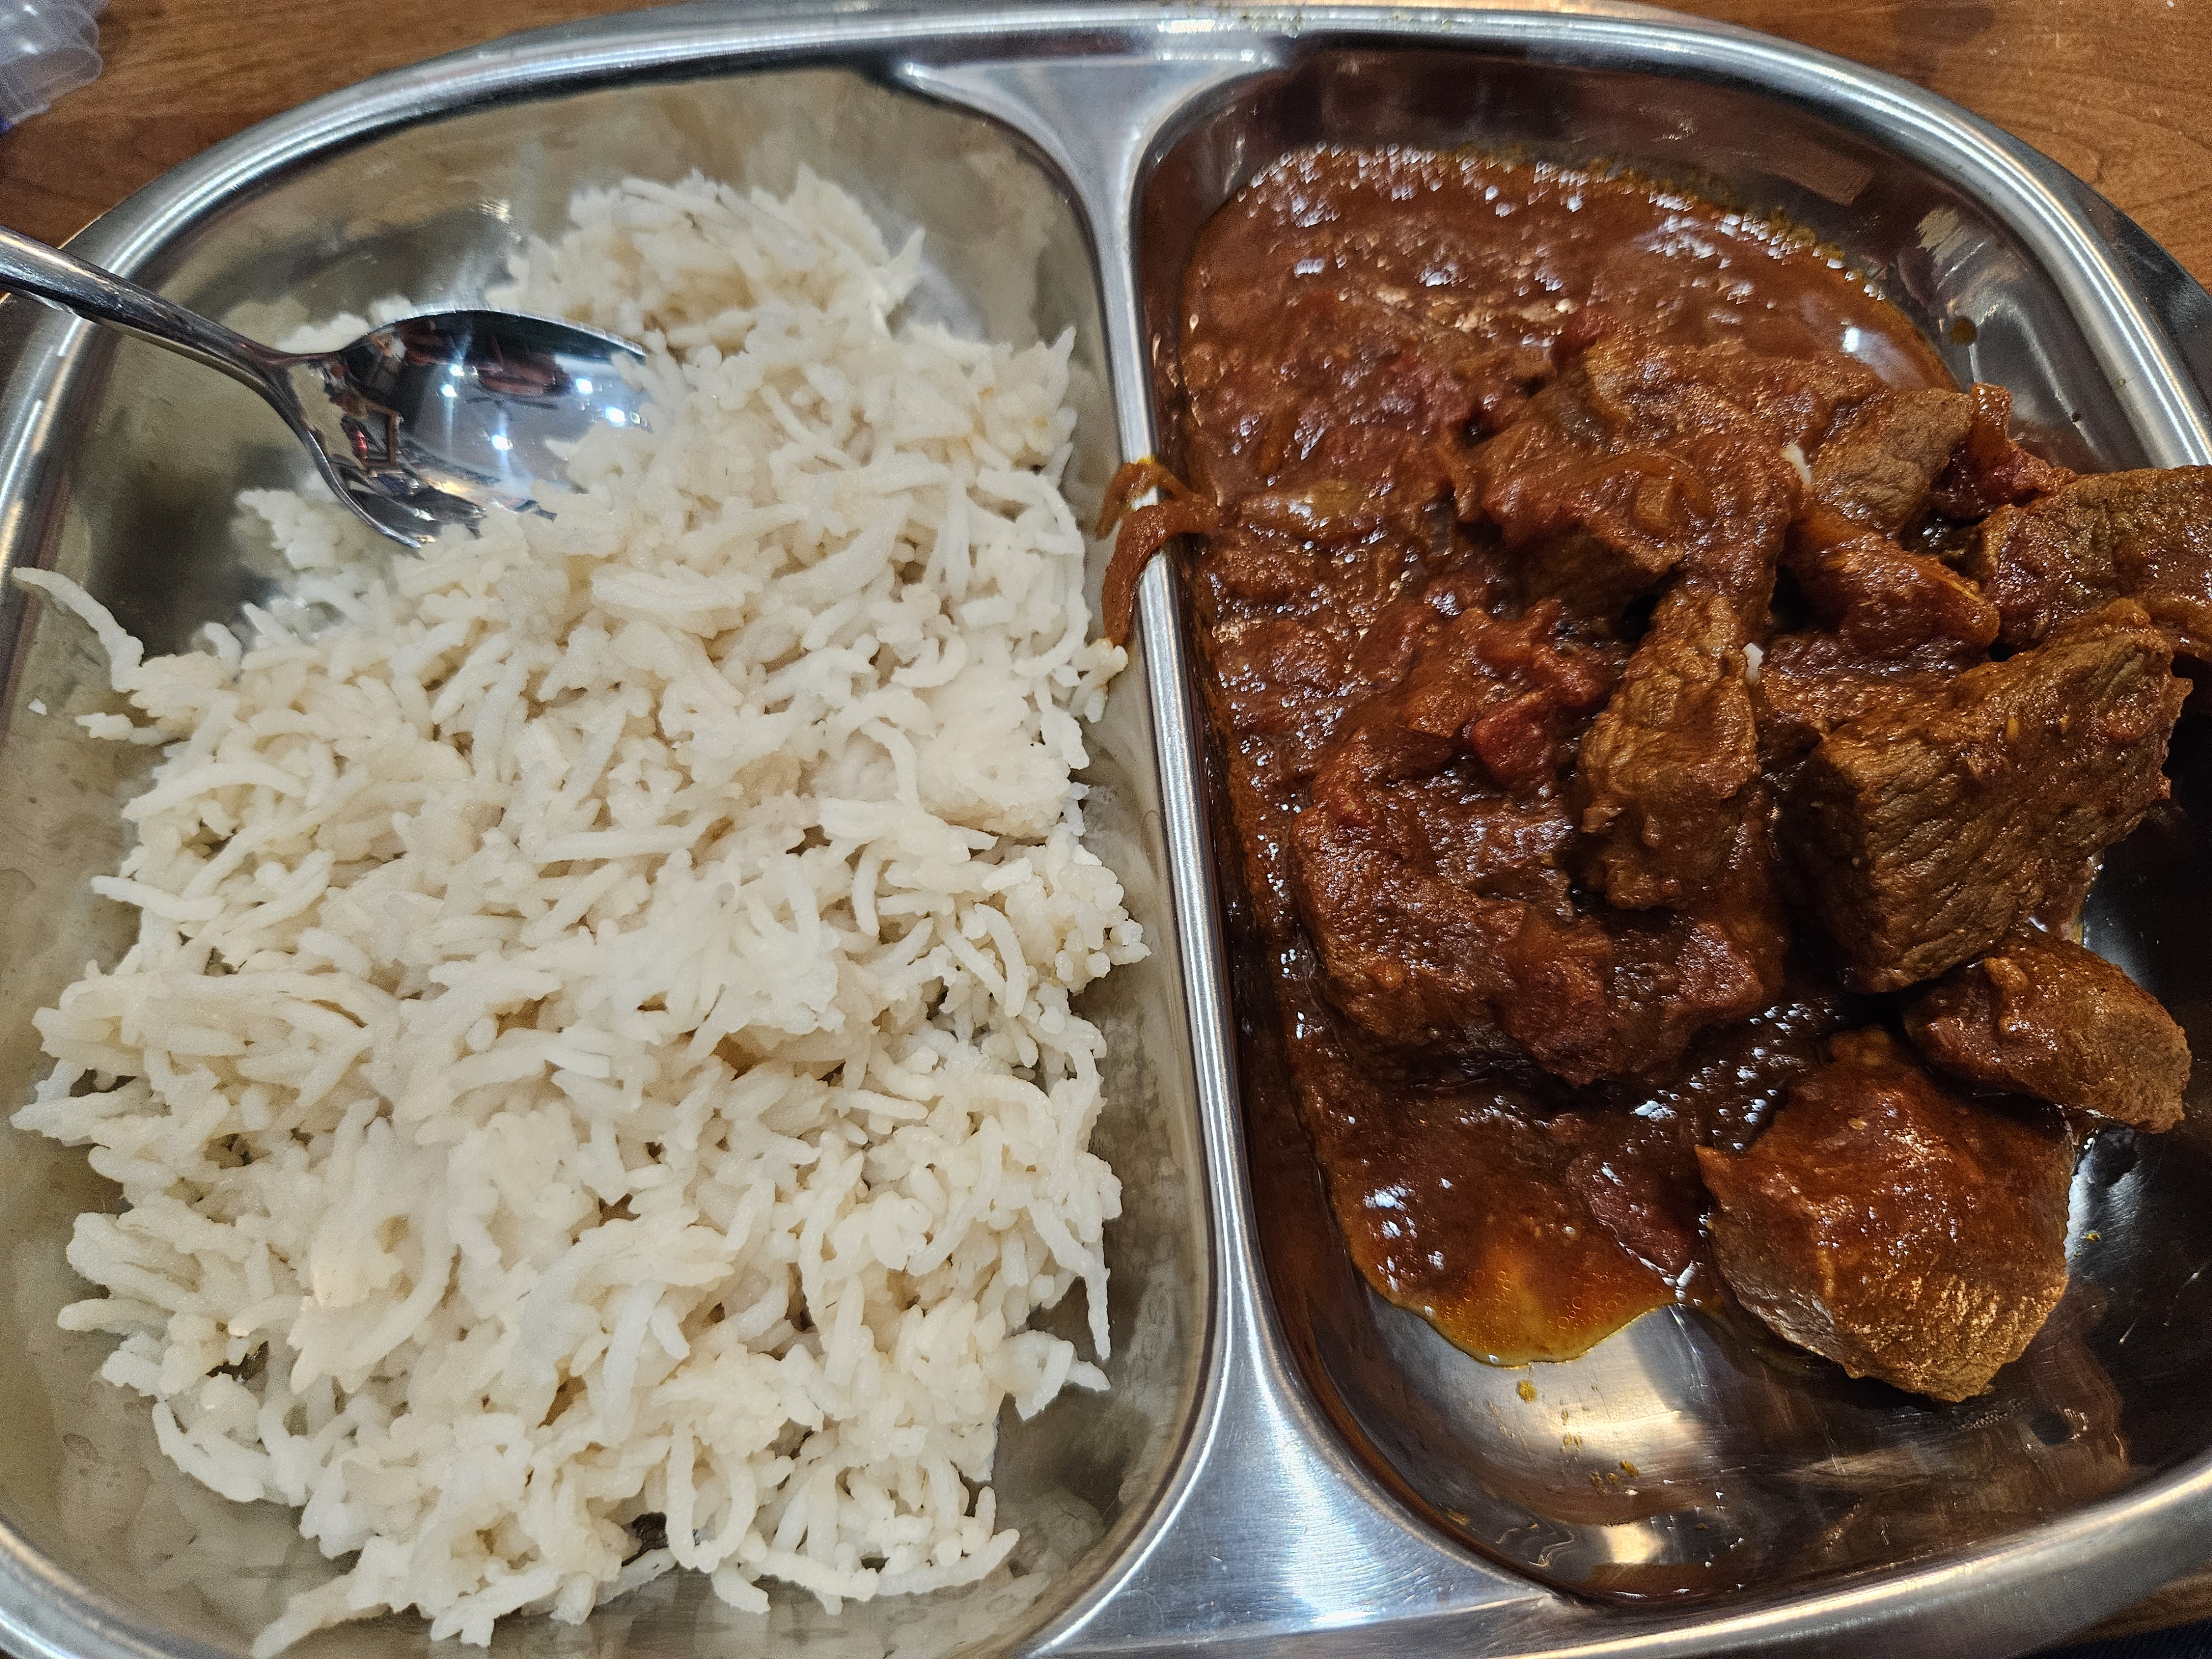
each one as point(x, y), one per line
point(597, 1042)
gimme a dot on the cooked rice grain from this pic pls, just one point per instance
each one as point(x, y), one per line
point(599, 1042)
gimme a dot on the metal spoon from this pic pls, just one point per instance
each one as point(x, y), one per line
point(417, 425)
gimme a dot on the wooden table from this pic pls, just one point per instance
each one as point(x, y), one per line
point(2119, 90)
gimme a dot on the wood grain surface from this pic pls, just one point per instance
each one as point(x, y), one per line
point(2120, 91)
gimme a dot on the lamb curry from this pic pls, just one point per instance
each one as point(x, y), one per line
point(1669, 731)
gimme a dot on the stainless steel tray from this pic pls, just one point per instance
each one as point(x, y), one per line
point(1285, 1464)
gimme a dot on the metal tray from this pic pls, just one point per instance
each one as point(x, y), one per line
point(1285, 1464)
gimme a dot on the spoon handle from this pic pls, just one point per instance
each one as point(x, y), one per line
point(100, 296)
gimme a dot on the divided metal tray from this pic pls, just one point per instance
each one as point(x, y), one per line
point(1285, 1464)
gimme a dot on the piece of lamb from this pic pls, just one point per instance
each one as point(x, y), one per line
point(1930, 827)
point(2144, 535)
point(1878, 469)
point(2042, 1016)
point(1894, 1227)
point(1660, 782)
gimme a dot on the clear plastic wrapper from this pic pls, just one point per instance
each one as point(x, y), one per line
point(47, 47)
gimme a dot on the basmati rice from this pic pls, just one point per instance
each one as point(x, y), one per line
point(598, 1043)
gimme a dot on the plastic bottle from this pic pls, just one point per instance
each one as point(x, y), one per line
point(47, 47)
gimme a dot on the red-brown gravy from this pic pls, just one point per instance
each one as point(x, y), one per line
point(1510, 1037)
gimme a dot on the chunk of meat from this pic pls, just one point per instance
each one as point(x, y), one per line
point(1677, 973)
point(1592, 529)
point(1617, 993)
point(1644, 391)
point(1894, 1227)
point(1888, 604)
point(1631, 1200)
point(1809, 683)
point(1928, 828)
point(1990, 470)
point(2043, 1017)
point(1878, 468)
point(1443, 920)
point(2144, 535)
point(1641, 460)
point(1660, 779)
point(1427, 862)
point(1429, 835)
point(1411, 956)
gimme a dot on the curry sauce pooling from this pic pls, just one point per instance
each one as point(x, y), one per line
point(1557, 535)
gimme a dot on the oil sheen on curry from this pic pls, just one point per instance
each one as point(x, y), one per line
point(1668, 730)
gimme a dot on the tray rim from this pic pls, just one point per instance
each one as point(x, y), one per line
point(704, 40)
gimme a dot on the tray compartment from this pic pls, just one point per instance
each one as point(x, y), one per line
point(1687, 1459)
point(144, 456)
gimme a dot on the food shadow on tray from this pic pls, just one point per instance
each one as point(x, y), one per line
point(1692, 1452)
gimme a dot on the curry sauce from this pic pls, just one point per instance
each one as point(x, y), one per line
point(1552, 522)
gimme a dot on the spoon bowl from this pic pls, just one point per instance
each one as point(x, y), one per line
point(424, 423)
